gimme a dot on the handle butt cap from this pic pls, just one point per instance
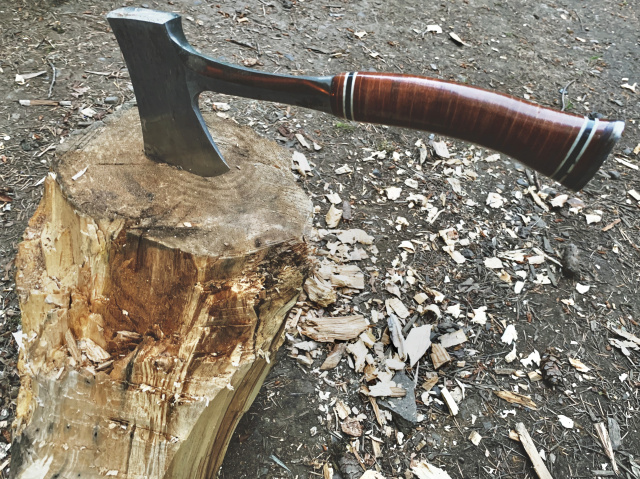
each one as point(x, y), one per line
point(594, 156)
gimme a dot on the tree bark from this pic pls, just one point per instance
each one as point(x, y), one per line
point(152, 303)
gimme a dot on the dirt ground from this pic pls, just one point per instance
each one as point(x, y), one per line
point(524, 48)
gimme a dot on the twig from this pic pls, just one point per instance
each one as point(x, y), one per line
point(242, 44)
point(53, 79)
point(580, 20)
point(564, 92)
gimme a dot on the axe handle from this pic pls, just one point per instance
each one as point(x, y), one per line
point(565, 147)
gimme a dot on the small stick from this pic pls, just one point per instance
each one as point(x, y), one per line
point(532, 452)
point(564, 92)
point(53, 79)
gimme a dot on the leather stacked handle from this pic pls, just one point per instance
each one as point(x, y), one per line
point(565, 147)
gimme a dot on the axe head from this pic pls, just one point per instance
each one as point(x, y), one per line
point(153, 45)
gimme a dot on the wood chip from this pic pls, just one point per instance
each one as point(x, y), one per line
point(334, 198)
point(432, 380)
point(417, 342)
point(534, 376)
point(93, 351)
point(579, 365)
point(494, 200)
point(344, 169)
point(532, 452)
point(300, 164)
point(559, 201)
point(420, 298)
point(79, 173)
point(603, 434)
point(369, 474)
point(386, 389)
point(537, 199)
point(624, 334)
point(449, 401)
point(352, 427)
point(359, 352)
point(333, 217)
point(457, 39)
point(493, 263)
point(348, 276)
point(395, 332)
point(475, 438)
point(377, 449)
point(440, 148)
point(516, 398)
point(393, 192)
point(455, 255)
point(592, 218)
point(73, 347)
point(452, 339)
point(355, 236)
point(331, 328)
point(439, 356)
point(424, 470)
point(510, 334)
point(398, 307)
point(627, 163)
point(320, 291)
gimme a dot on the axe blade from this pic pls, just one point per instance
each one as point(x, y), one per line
point(172, 126)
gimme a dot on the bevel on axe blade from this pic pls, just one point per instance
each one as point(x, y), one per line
point(168, 75)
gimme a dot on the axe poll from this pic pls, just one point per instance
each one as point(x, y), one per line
point(168, 75)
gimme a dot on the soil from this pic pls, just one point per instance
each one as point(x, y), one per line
point(524, 48)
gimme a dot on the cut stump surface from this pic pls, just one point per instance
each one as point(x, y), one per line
point(152, 301)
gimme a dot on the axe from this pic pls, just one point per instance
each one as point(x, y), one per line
point(168, 75)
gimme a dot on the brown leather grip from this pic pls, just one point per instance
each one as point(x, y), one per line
point(565, 147)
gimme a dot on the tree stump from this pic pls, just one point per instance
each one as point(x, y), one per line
point(152, 302)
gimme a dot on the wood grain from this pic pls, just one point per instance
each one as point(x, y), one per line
point(152, 303)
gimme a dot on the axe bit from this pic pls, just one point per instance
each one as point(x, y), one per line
point(168, 75)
